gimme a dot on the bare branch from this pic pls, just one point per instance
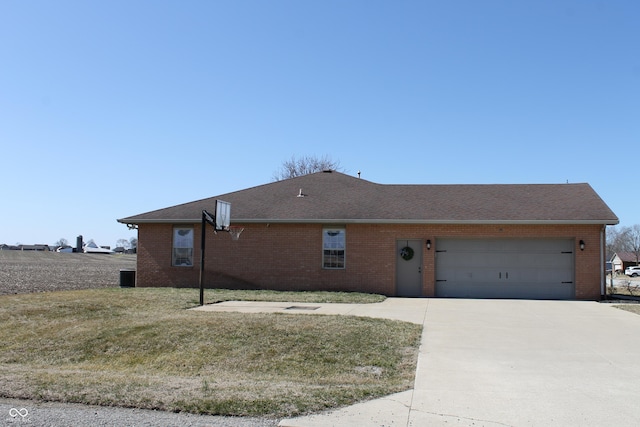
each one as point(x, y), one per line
point(305, 165)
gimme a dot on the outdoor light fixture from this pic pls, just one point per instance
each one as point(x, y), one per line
point(582, 245)
point(428, 244)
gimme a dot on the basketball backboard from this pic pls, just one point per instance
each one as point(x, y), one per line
point(223, 215)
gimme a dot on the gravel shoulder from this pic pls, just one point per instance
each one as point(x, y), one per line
point(15, 412)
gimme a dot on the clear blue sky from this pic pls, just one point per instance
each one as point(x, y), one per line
point(114, 108)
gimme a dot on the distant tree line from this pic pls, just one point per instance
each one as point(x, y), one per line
point(624, 239)
point(131, 243)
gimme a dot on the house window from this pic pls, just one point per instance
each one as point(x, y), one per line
point(333, 245)
point(183, 247)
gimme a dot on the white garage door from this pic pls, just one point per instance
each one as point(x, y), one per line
point(505, 268)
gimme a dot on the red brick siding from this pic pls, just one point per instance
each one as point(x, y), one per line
point(289, 256)
point(155, 242)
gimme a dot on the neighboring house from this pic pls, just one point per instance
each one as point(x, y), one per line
point(622, 260)
point(331, 231)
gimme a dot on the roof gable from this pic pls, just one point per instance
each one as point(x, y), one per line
point(626, 256)
point(336, 197)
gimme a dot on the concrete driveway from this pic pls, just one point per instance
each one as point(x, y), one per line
point(513, 363)
point(527, 363)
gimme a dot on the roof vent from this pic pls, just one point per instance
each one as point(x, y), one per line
point(327, 171)
point(300, 194)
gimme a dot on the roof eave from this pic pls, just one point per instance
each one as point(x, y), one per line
point(426, 221)
point(158, 221)
point(380, 221)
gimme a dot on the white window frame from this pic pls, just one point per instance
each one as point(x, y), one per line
point(334, 248)
point(182, 247)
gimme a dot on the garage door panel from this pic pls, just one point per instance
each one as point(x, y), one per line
point(533, 290)
point(540, 276)
point(505, 268)
point(478, 275)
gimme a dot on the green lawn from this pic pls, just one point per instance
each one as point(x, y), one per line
point(143, 348)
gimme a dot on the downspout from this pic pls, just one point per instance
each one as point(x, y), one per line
point(602, 264)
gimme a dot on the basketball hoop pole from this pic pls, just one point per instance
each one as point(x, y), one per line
point(222, 214)
point(211, 219)
point(206, 217)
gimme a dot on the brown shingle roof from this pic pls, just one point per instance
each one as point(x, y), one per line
point(336, 197)
point(626, 256)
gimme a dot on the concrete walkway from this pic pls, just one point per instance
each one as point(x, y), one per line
point(406, 309)
point(499, 363)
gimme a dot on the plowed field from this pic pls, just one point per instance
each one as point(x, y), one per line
point(25, 271)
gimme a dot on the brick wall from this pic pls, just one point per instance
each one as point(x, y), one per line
point(289, 256)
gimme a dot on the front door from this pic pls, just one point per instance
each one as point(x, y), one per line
point(409, 268)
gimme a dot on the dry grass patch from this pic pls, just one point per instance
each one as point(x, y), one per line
point(633, 308)
point(218, 295)
point(142, 348)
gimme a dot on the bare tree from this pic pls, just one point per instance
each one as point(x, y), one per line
point(62, 243)
point(615, 240)
point(304, 166)
point(624, 239)
point(122, 243)
point(633, 239)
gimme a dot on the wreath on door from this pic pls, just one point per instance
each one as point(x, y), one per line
point(406, 253)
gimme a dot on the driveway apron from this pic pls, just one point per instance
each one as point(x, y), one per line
point(527, 363)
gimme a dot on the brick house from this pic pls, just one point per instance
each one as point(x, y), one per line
point(622, 260)
point(331, 231)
